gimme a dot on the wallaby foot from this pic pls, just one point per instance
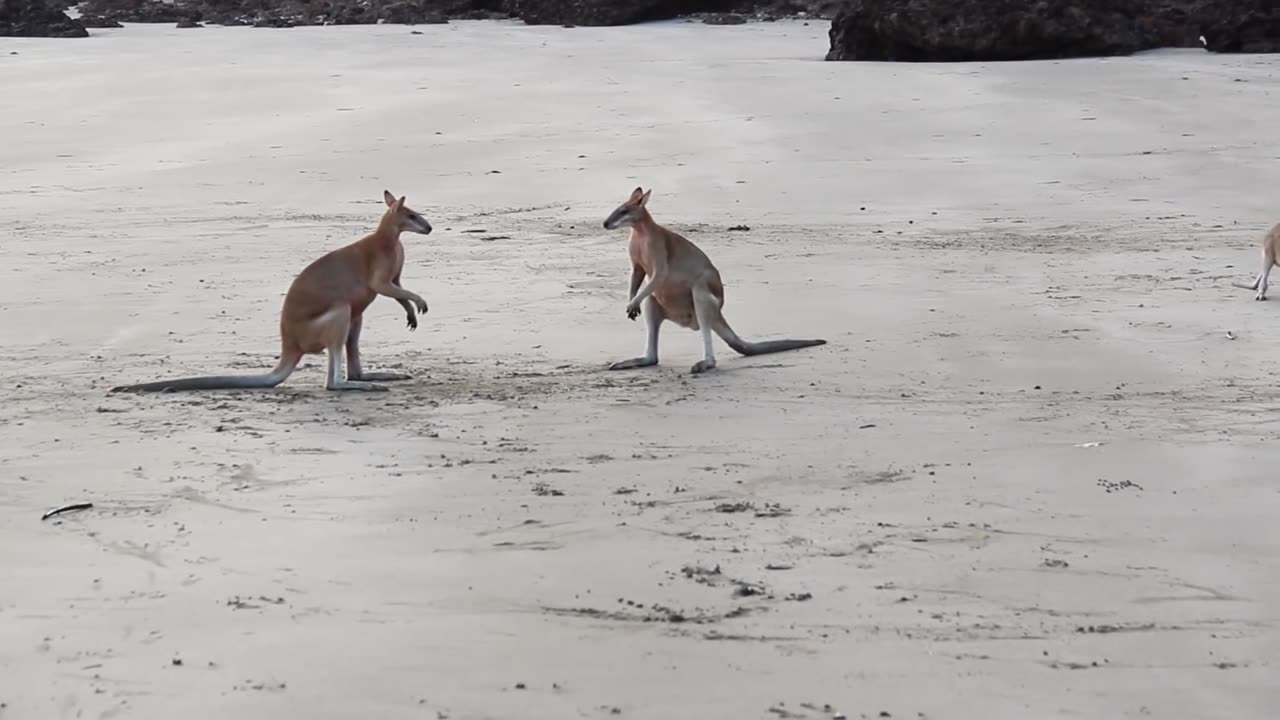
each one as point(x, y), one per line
point(1268, 262)
point(380, 376)
point(702, 366)
point(707, 309)
point(634, 363)
point(340, 385)
point(339, 321)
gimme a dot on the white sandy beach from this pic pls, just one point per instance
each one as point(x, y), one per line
point(1030, 476)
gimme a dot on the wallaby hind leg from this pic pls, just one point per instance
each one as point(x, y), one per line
point(653, 317)
point(707, 309)
point(1268, 262)
point(333, 328)
point(354, 370)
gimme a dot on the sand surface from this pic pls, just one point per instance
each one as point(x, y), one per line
point(1031, 476)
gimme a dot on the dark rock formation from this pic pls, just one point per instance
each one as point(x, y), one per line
point(971, 30)
point(1238, 26)
point(102, 13)
point(407, 12)
point(603, 12)
point(724, 19)
point(290, 13)
point(975, 30)
point(96, 21)
point(628, 12)
point(37, 18)
point(278, 13)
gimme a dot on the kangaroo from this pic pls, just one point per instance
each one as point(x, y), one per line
point(324, 310)
point(684, 287)
point(1270, 252)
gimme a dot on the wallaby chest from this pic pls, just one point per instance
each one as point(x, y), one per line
point(397, 259)
point(641, 249)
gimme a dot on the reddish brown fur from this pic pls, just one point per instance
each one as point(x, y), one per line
point(342, 276)
point(675, 296)
point(1270, 255)
point(323, 309)
point(683, 283)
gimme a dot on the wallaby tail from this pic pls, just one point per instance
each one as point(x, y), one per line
point(283, 369)
point(742, 347)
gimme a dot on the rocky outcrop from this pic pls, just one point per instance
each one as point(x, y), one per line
point(993, 30)
point(1238, 26)
point(110, 13)
point(38, 18)
point(281, 13)
point(605, 12)
point(289, 13)
point(970, 30)
point(628, 12)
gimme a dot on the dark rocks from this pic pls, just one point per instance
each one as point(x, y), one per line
point(600, 12)
point(292, 13)
point(411, 13)
point(780, 9)
point(569, 13)
point(103, 12)
point(1238, 26)
point(1166, 25)
point(724, 19)
point(975, 30)
point(38, 18)
point(281, 13)
point(994, 30)
point(97, 21)
point(628, 12)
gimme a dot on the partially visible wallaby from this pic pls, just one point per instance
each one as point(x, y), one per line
point(684, 287)
point(324, 310)
point(1270, 251)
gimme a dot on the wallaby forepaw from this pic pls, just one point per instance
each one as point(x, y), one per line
point(702, 366)
point(633, 312)
point(413, 323)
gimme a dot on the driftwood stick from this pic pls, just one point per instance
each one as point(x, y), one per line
point(66, 509)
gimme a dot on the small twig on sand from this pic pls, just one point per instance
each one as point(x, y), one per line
point(66, 509)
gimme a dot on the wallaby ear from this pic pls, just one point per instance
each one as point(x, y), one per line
point(645, 197)
point(635, 194)
point(400, 204)
point(388, 198)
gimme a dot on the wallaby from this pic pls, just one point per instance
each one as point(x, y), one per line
point(324, 310)
point(1270, 251)
point(684, 287)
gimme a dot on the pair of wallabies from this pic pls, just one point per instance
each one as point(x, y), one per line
point(324, 308)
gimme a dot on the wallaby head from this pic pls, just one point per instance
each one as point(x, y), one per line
point(401, 218)
point(630, 212)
